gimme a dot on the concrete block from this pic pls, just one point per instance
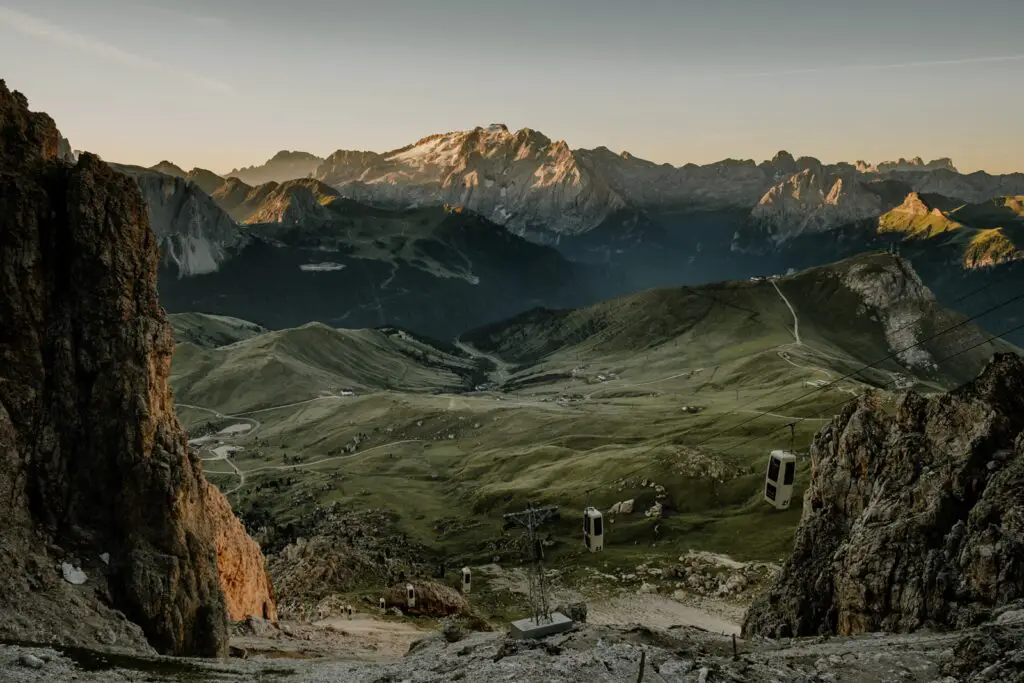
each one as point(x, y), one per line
point(528, 628)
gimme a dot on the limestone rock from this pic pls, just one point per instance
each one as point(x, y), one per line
point(243, 577)
point(194, 234)
point(813, 200)
point(72, 574)
point(911, 520)
point(623, 507)
point(432, 600)
point(92, 458)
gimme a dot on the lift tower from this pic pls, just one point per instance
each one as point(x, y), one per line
point(531, 519)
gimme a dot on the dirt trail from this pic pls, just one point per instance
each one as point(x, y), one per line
point(796, 320)
point(363, 638)
point(656, 611)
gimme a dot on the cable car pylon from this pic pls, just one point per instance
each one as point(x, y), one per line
point(531, 519)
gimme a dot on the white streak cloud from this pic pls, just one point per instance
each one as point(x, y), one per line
point(42, 29)
point(883, 67)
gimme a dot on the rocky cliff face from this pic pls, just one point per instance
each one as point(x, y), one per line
point(539, 187)
point(207, 181)
point(96, 479)
point(971, 187)
point(295, 202)
point(813, 200)
point(195, 235)
point(911, 520)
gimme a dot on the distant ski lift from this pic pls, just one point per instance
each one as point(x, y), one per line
point(467, 580)
point(593, 529)
point(383, 605)
point(410, 594)
point(778, 481)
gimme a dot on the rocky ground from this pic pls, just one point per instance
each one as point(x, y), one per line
point(591, 652)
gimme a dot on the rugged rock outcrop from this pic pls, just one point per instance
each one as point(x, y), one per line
point(284, 165)
point(971, 187)
point(207, 181)
point(432, 599)
point(300, 202)
point(911, 520)
point(917, 164)
point(168, 168)
point(195, 235)
point(812, 200)
point(95, 471)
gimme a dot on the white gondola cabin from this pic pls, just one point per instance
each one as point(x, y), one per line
point(467, 580)
point(593, 529)
point(383, 606)
point(410, 593)
point(778, 481)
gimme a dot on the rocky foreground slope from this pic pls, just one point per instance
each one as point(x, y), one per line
point(991, 653)
point(911, 520)
point(109, 534)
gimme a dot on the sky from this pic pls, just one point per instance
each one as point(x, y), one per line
point(221, 84)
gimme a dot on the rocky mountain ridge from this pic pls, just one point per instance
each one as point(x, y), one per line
point(110, 533)
point(539, 187)
point(911, 520)
point(285, 165)
point(916, 164)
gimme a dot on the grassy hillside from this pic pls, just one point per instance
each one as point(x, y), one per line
point(854, 312)
point(982, 235)
point(211, 331)
point(313, 360)
point(671, 396)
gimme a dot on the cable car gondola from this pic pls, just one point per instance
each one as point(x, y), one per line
point(778, 480)
point(467, 580)
point(593, 529)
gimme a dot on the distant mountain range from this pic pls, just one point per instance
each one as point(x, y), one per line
point(284, 254)
point(617, 224)
point(541, 188)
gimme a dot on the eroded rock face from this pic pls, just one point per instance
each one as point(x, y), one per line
point(911, 520)
point(195, 235)
point(94, 466)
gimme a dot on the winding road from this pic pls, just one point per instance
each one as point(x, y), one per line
point(224, 455)
point(796, 320)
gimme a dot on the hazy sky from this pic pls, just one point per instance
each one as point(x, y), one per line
point(226, 83)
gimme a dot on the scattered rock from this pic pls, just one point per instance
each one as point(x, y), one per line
point(452, 630)
point(31, 661)
point(432, 600)
point(577, 611)
point(72, 574)
point(624, 507)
